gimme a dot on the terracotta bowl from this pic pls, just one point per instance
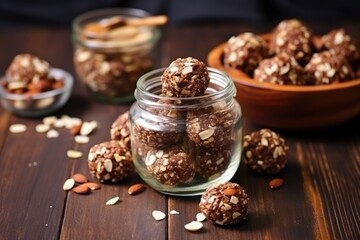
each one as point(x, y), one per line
point(291, 107)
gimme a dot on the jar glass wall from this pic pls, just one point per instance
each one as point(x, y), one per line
point(110, 63)
point(183, 145)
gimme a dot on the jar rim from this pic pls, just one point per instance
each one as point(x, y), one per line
point(152, 79)
point(94, 15)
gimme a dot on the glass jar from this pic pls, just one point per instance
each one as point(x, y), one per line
point(109, 63)
point(183, 145)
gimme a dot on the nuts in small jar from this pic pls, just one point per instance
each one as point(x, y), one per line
point(110, 62)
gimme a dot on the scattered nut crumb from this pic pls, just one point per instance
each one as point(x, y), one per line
point(193, 226)
point(200, 217)
point(174, 212)
point(68, 184)
point(17, 128)
point(112, 201)
point(42, 128)
point(81, 139)
point(74, 154)
point(52, 133)
point(158, 215)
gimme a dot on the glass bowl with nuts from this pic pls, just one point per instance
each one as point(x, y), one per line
point(32, 88)
point(112, 49)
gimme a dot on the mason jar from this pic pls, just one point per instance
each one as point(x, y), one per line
point(109, 63)
point(182, 145)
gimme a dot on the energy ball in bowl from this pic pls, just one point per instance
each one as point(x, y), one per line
point(281, 69)
point(120, 129)
point(342, 44)
point(294, 39)
point(264, 151)
point(327, 67)
point(27, 68)
point(185, 77)
point(244, 52)
point(110, 161)
point(225, 204)
point(171, 166)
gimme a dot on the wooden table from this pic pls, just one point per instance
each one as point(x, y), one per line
point(319, 200)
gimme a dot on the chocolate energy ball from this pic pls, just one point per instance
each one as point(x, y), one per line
point(120, 129)
point(264, 151)
point(225, 203)
point(244, 52)
point(281, 69)
point(27, 68)
point(210, 129)
point(171, 166)
point(342, 44)
point(296, 42)
point(110, 161)
point(185, 77)
point(211, 162)
point(327, 67)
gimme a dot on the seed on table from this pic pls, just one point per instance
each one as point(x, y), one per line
point(79, 178)
point(276, 183)
point(193, 226)
point(42, 128)
point(81, 139)
point(174, 212)
point(136, 189)
point(158, 215)
point(17, 128)
point(200, 217)
point(81, 189)
point(112, 201)
point(68, 184)
point(93, 185)
point(52, 133)
point(74, 154)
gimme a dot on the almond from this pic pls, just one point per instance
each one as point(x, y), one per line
point(276, 183)
point(75, 130)
point(81, 189)
point(93, 185)
point(79, 178)
point(230, 191)
point(136, 189)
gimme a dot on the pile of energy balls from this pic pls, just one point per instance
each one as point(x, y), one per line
point(294, 56)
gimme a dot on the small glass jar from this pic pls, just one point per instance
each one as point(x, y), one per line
point(183, 145)
point(109, 63)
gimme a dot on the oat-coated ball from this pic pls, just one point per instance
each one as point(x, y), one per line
point(264, 151)
point(120, 129)
point(185, 77)
point(27, 68)
point(281, 69)
point(210, 127)
point(225, 203)
point(171, 166)
point(328, 67)
point(211, 162)
point(110, 161)
point(296, 42)
point(341, 43)
point(245, 51)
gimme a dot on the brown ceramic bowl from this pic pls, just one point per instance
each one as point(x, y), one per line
point(291, 107)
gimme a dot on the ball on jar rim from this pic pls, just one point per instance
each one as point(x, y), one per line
point(185, 77)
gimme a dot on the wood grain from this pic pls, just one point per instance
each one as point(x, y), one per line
point(319, 199)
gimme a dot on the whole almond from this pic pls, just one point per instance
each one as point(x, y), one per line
point(93, 185)
point(276, 183)
point(75, 130)
point(136, 189)
point(79, 178)
point(230, 191)
point(81, 189)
